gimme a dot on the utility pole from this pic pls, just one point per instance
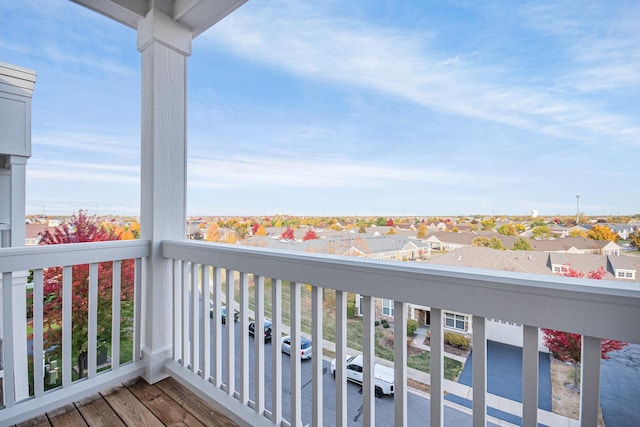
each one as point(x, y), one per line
point(577, 209)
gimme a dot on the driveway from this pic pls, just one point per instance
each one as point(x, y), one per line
point(504, 378)
point(620, 387)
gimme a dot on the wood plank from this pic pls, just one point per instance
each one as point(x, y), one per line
point(131, 410)
point(97, 412)
point(163, 406)
point(39, 421)
point(67, 416)
point(194, 404)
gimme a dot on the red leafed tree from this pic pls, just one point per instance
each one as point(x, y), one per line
point(254, 228)
point(389, 222)
point(288, 234)
point(568, 347)
point(82, 228)
point(310, 235)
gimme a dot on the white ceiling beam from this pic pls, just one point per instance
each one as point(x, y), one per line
point(127, 12)
point(196, 15)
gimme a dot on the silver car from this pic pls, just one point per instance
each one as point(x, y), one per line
point(306, 349)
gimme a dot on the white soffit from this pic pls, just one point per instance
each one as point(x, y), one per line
point(197, 15)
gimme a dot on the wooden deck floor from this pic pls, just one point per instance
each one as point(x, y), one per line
point(136, 403)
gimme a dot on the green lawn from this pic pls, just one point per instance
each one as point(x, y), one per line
point(421, 361)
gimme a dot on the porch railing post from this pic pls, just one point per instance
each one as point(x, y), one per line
point(165, 46)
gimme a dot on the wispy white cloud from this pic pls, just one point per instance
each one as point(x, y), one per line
point(119, 146)
point(602, 42)
point(247, 172)
point(405, 64)
point(76, 172)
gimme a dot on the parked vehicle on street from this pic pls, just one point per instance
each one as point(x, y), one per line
point(223, 313)
point(306, 349)
point(266, 328)
point(383, 375)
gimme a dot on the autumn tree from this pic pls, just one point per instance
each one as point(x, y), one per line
point(422, 231)
point(288, 234)
point(83, 228)
point(260, 231)
point(567, 346)
point(635, 239)
point(578, 233)
point(310, 235)
point(254, 227)
point(391, 231)
point(230, 237)
point(488, 224)
point(508, 229)
point(389, 222)
point(602, 232)
point(480, 241)
point(213, 233)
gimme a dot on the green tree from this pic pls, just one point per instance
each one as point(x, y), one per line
point(521, 244)
point(496, 243)
point(380, 222)
point(541, 231)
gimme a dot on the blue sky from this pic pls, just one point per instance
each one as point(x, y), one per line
point(348, 108)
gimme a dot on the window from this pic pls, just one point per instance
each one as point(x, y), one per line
point(455, 321)
point(625, 274)
point(387, 307)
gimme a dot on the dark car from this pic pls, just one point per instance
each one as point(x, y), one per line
point(223, 313)
point(267, 329)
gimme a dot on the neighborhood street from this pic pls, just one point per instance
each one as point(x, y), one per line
point(417, 404)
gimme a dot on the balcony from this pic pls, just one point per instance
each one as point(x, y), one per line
point(233, 372)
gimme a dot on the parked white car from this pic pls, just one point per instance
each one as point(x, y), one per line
point(383, 375)
point(306, 349)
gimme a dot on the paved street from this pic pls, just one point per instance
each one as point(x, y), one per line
point(619, 386)
point(418, 404)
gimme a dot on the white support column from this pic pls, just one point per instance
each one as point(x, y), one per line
point(165, 46)
point(368, 361)
point(437, 368)
point(479, 372)
point(530, 373)
point(16, 185)
point(400, 362)
point(16, 91)
point(590, 381)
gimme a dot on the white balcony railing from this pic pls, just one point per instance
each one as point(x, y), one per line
point(55, 381)
point(594, 309)
point(216, 362)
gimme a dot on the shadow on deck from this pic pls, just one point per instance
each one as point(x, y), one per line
point(136, 403)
